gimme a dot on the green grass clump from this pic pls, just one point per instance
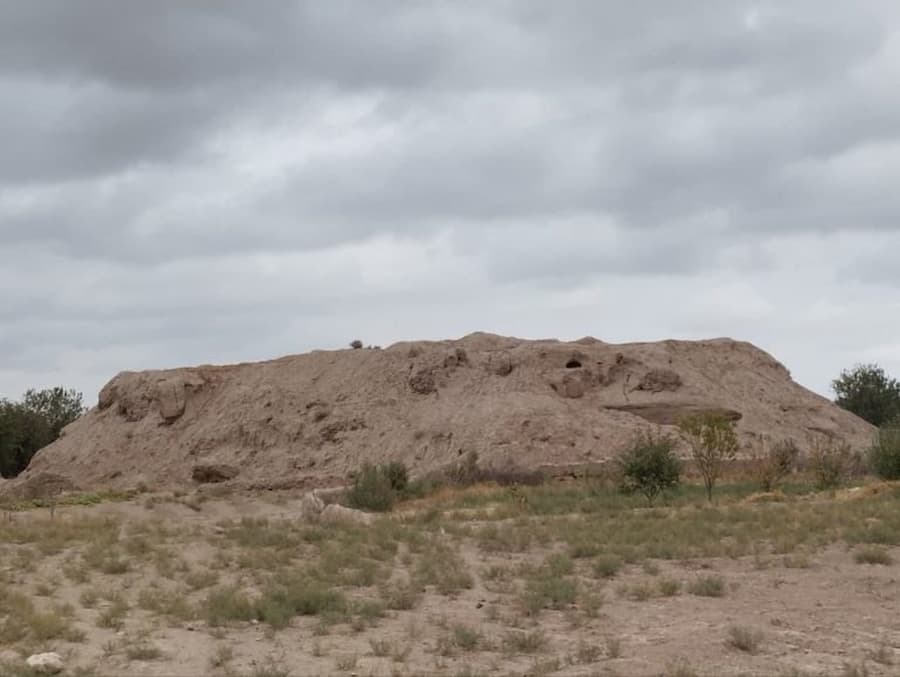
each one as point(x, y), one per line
point(525, 642)
point(226, 605)
point(297, 596)
point(443, 568)
point(546, 591)
point(873, 555)
point(607, 566)
point(744, 639)
point(466, 638)
point(668, 587)
point(377, 487)
point(708, 586)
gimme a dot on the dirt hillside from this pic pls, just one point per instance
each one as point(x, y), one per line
point(306, 420)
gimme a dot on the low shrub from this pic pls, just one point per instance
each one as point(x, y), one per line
point(649, 465)
point(831, 462)
point(607, 566)
point(377, 487)
point(708, 586)
point(873, 555)
point(744, 639)
point(775, 464)
point(884, 456)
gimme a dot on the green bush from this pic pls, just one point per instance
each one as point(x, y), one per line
point(873, 554)
point(884, 456)
point(377, 487)
point(831, 462)
point(708, 586)
point(713, 442)
point(371, 489)
point(650, 465)
point(398, 475)
point(607, 566)
point(775, 464)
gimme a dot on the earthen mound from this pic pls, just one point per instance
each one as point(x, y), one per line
point(307, 420)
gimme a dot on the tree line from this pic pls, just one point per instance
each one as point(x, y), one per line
point(33, 422)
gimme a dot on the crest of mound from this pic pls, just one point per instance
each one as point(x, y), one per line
point(307, 420)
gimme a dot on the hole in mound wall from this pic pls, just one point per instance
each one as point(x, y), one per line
point(573, 364)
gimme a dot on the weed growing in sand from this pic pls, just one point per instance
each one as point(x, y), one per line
point(873, 555)
point(201, 579)
point(708, 586)
point(638, 592)
point(549, 589)
point(883, 655)
point(681, 669)
point(443, 568)
point(850, 670)
point(221, 657)
point(668, 587)
point(271, 668)
point(113, 617)
point(774, 464)
point(466, 638)
point(743, 639)
point(227, 605)
point(830, 462)
point(143, 651)
point(106, 559)
point(586, 653)
point(400, 596)
point(524, 642)
point(346, 663)
point(613, 647)
point(297, 595)
point(170, 603)
point(25, 623)
point(607, 566)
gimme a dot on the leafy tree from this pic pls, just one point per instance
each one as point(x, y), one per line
point(713, 442)
point(884, 456)
point(867, 391)
point(650, 465)
point(33, 423)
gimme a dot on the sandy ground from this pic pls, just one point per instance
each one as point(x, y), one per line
point(819, 613)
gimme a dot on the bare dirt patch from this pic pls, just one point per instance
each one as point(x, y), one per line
point(560, 579)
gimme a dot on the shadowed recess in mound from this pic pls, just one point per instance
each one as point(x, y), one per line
point(670, 414)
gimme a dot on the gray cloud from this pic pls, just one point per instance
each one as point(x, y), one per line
point(184, 177)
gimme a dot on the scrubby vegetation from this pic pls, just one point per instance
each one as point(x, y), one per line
point(775, 463)
point(713, 443)
point(884, 456)
point(517, 567)
point(649, 465)
point(32, 423)
point(377, 487)
point(831, 462)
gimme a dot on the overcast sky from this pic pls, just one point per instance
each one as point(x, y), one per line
point(194, 182)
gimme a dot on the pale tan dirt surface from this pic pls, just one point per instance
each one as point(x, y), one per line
point(817, 611)
point(306, 420)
